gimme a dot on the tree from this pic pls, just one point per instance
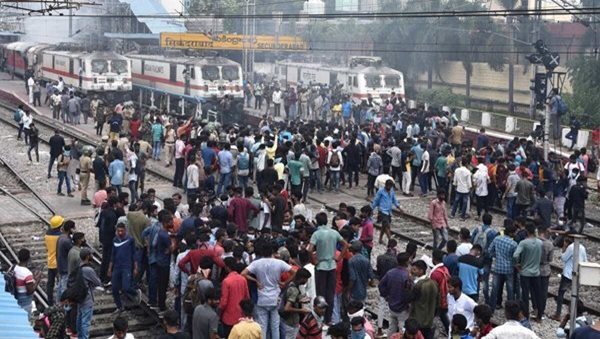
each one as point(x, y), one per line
point(584, 102)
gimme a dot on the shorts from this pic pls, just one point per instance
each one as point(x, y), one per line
point(381, 217)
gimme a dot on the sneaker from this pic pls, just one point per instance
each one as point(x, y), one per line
point(70, 195)
point(138, 297)
point(60, 194)
point(107, 285)
point(118, 311)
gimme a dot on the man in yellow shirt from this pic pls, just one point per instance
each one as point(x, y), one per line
point(51, 240)
point(247, 328)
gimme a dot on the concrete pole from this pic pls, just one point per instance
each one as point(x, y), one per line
point(574, 283)
point(547, 120)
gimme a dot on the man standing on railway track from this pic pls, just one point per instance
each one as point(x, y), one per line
point(26, 281)
point(425, 299)
point(527, 258)
point(51, 240)
point(57, 142)
point(63, 246)
point(85, 168)
point(123, 267)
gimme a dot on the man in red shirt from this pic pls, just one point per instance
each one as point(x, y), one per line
point(366, 235)
point(239, 210)
point(234, 289)
point(195, 256)
point(441, 275)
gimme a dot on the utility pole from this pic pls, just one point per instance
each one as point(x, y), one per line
point(252, 38)
point(574, 283)
point(70, 22)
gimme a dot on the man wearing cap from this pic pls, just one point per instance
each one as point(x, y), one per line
point(311, 327)
point(51, 240)
point(85, 167)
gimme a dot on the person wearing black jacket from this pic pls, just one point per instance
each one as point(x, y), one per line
point(33, 142)
point(57, 142)
point(577, 196)
point(107, 223)
point(352, 153)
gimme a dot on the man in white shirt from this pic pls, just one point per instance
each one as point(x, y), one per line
point(26, 120)
point(424, 173)
point(512, 328)
point(30, 84)
point(481, 180)
point(463, 183)
point(567, 275)
point(276, 98)
point(458, 302)
point(193, 179)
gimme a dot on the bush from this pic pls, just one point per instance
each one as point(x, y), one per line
point(440, 97)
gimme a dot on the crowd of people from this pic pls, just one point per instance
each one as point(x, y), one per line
point(239, 254)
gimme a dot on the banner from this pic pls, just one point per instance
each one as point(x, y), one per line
point(232, 42)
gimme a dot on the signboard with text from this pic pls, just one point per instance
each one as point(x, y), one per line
point(232, 42)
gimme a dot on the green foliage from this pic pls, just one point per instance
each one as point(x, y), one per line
point(442, 96)
point(584, 73)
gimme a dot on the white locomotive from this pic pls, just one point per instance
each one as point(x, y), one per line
point(187, 85)
point(361, 78)
point(107, 74)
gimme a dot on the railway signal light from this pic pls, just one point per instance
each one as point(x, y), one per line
point(539, 88)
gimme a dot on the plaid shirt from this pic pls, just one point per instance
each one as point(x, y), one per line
point(502, 248)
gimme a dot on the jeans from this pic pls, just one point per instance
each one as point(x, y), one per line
point(51, 164)
point(268, 319)
point(371, 185)
point(325, 282)
point(20, 131)
point(161, 285)
point(62, 284)
point(442, 184)
point(156, 145)
point(424, 182)
point(463, 200)
point(84, 320)
point(335, 180)
point(292, 111)
point(257, 101)
point(440, 233)
point(119, 188)
point(290, 331)
point(485, 280)
point(243, 181)
point(336, 314)
point(37, 154)
point(315, 179)
point(565, 283)
point(498, 282)
point(179, 168)
point(544, 282)
point(482, 204)
point(106, 255)
point(24, 301)
point(133, 191)
point(224, 182)
point(52, 274)
point(121, 280)
point(350, 171)
point(62, 176)
point(510, 207)
point(152, 284)
point(396, 320)
point(531, 285)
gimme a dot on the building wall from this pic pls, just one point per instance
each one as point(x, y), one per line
point(486, 84)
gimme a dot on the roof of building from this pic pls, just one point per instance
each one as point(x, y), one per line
point(154, 7)
point(14, 322)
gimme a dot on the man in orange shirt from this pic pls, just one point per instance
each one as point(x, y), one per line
point(233, 290)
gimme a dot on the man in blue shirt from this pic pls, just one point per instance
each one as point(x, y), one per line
point(226, 166)
point(158, 132)
point(121, 266)
point(116, 172)
point(502, 249)
point(416, 163)
point(483, 236)
point(160, 247)
point(360, 273)
point(148, 235)
point(470, 267)
point(347, 109)
point(395, 286)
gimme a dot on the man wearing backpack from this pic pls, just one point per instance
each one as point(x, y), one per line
point(243, 166)
point(22, 282)
point(483, 236)
point(115, 123)
point(335, 161)
point(557, 109)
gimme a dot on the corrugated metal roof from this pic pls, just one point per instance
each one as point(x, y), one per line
point(14, 323)
point(154, 7)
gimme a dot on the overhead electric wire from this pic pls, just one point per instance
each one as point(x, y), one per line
point(371, 15)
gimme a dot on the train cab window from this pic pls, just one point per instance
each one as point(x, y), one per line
point(230, 73)
point(99, 66)
point(210, 73)
point(71, 66)
point(192, 72)
point(118, 66)
point(354, 81)
point(173, 75)
point(349, 81)
point(373, 80)
point(392, 81)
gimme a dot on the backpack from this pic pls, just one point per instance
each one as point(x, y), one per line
point(482, 237)
point(17, 116)
point(114, 126)
point(335, 159)
point(10, 281)
point(592, 165)
point(244, 161)
point(77, 287)
point(562, 107)
point(191, 296)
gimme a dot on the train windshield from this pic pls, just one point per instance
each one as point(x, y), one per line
point(373, 80)
point(99, 66)
point(210, 73)
point(230, 73)
point(119, 66)
point(392, 81)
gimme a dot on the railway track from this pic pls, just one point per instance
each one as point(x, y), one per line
point(411, 228)
point(29, 233)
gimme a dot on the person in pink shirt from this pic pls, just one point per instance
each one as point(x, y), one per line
point(367, 229)
point(438, 217)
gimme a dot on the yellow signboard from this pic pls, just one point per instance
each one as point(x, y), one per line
point(232, 42)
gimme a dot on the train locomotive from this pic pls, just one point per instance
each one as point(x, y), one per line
point(188, 85)
point(361, 78)
point(106, 74)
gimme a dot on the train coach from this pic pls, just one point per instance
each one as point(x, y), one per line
point(187, 85)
